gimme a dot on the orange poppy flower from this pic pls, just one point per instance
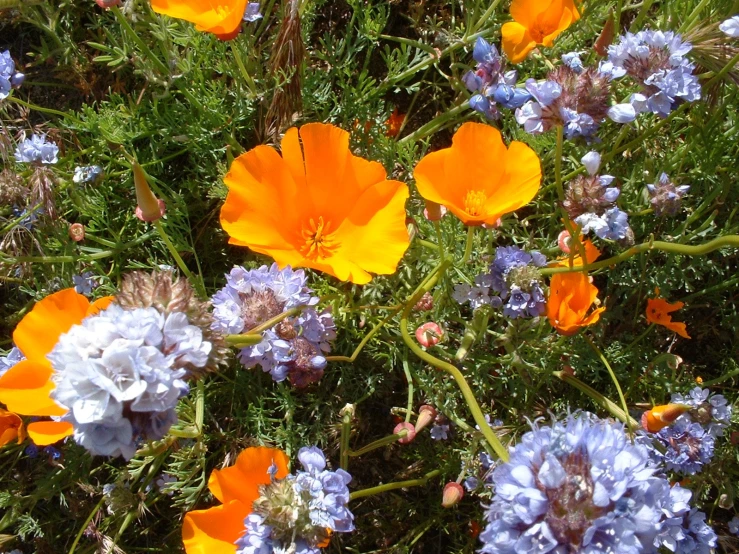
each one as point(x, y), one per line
point(317, 206)
point(25, 387)
point(478, 179)
point(535, 22)
point(661, 416)
point(220, 17)
point(11, 427)
point(570, 297)
point(216, 530)
point(659, 310)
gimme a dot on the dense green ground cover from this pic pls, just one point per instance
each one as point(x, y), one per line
point(108, 86)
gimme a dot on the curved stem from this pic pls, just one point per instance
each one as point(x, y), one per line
point(468, 245)
point(604, 402)
point(684, 249)
point(176, 255)
point(612, 374)
point(379, 443)
point(397, 485)
point(365, 340)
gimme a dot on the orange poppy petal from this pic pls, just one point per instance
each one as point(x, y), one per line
point(216, 530)
point(99, 305)
point(220, 17)
point(241, 481)
point(11, 427)
point(38, 332)
point(516, 41)
point(526, 12)
point(25, 389)
point(374, 234)
point(44, 433)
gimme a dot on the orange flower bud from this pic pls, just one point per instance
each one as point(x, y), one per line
point(149, 208)
point(661, 416)
point(429, 334)
point(408, 427)
point(426, 415)
point(77, 232)
point(453, 493)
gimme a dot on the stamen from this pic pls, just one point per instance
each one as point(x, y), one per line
point(318, 241)
point(474, 202)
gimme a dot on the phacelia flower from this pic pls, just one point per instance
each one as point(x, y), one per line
point(515, 277)
point(251, 13)
point(25, 388)
point(730, 27)
point(734, 525)
point(317, 206)
point(571, 296)
point(477, 295)
point(121, 373)
point(494, 85)
point(267, 510)
point(577, 101)
point(536, 22)
point(710, 410)
point(292, 349)
point(11, 428)
point(221, 17)
point(576, 486)
point(612, 225)
point(665, 196)
point(37, 150)
point(687, 446)
point(658, 312)
point(87, 174)
point(9, 77)
point(478, 179)
point(656, 61)
point(85, 283)
point(440, 432)
point(683, 530)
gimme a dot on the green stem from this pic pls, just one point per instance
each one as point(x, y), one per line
point(198, 283)
point(481, 22)
point(604, 402)
point(397, 485)
point(684, 249)
point(612, 374)
point(440, 240)
point(468, 245)
point(148, 54)
point(252, 336)
point(474, 330)
point(85, 524)
point(467, 393)
point(365, 340)
point(49, 111)
point(409, 404)
point(346, 431)
point(379, 443)
point(721, 379)
point(435, 124)
point(250, 84)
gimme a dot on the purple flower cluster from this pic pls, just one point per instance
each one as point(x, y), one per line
point(515, 277)
point(293, 348)
point(581, 486)
point(9, 77)
point(710, 410)
point(37, 150)
point(666, 197)
point(656, 60)
point(316, 498)
point(493, 85)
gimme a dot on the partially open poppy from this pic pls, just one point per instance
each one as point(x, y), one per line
point(478, 179)
point(317, 206)
point(220, 17)
point(659, 310)
point(535, 22)
point(216, 530)
point(25, 387)
point(11, 428)
point(570, 297)
point(661, 416)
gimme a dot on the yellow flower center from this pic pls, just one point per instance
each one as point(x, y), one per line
point(474, 202)
point(318, 241)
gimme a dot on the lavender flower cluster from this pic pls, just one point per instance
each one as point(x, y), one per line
point(120, 374)
point(515, 278)
point(591, 202)
point(665, 196)
point(581, 486)
point(37, 150)
point(657, 61)
point(688, 444)
point(317, 501)
point(293, 348)
point(493, 84)
point(9, 77)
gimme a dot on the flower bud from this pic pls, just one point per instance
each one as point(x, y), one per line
point(429, 334)
point(563, 241)
point(149, 207)
point(408, 427)
point(453, 493)
point(426, 415)
point(661, 416)
point(425, 304)
point(77, 232)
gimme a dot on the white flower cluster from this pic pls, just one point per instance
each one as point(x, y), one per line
point(120, 373)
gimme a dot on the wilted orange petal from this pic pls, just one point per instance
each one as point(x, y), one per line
point(241, 481)
point(216, 530)
point(25, 389)
point(11, 427)
point(44, 433)
point(38, 332)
